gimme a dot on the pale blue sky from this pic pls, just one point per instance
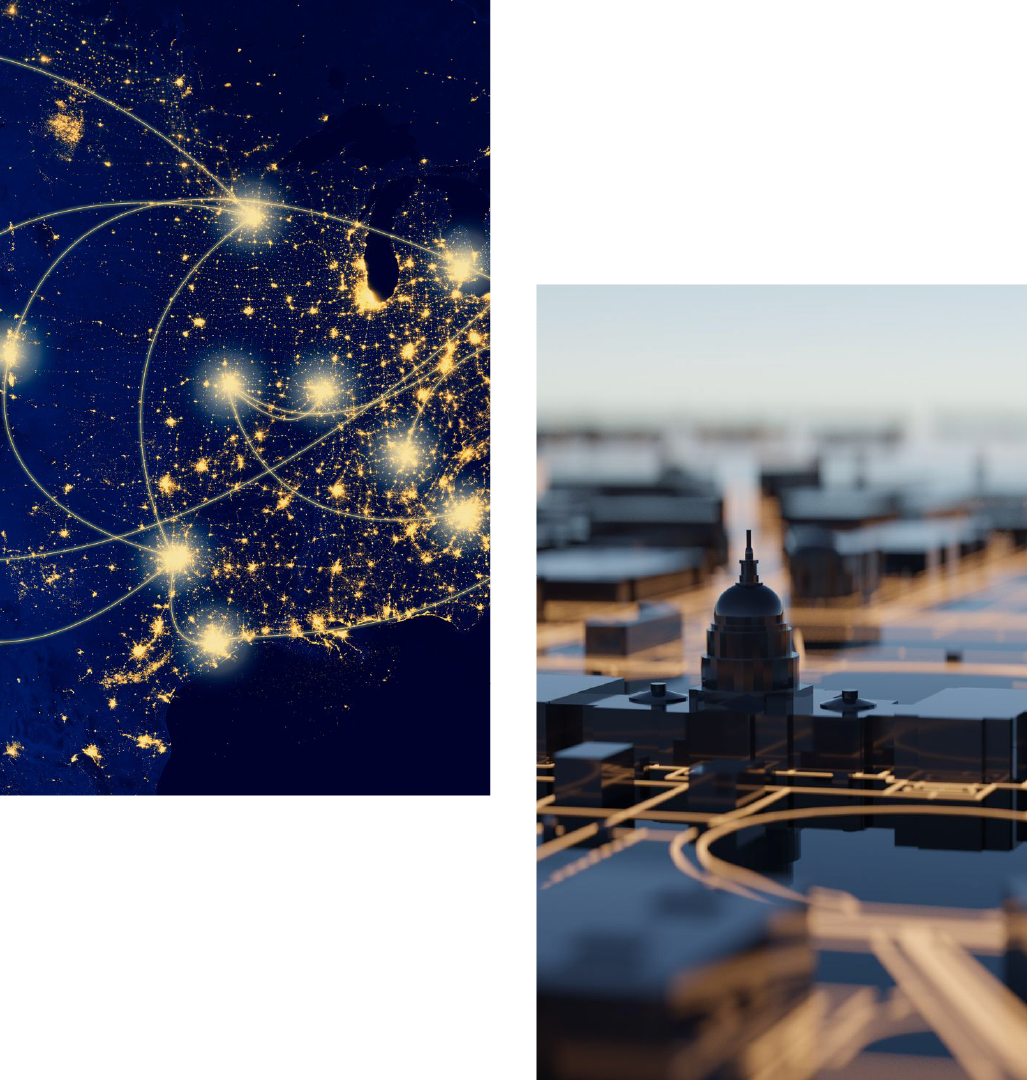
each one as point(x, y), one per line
point(626, 351)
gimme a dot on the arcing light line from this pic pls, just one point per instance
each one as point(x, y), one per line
point(81, 622)
point(270, 471)
point(3, 391)
point(172, 519)
point(340, 628)
point(105, 206)
point(434, 252)
point(124, 112)
point(721, 868)
point(146, 367)
point(421, 405)
point(279, 412)
point(175, 558)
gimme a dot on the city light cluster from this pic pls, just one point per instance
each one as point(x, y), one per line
point(297, 453)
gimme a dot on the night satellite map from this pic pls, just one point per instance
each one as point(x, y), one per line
point(244, 544)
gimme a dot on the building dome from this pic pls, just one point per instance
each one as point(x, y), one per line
point(749, 645)
point(748, 601)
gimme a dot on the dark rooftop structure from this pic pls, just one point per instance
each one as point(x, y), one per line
point(617, 573)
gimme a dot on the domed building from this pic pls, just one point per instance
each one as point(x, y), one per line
point(749, 645)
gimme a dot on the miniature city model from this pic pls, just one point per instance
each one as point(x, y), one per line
point(686, 932)
point(752, 707)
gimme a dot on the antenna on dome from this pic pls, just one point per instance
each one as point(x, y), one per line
point(748, 575)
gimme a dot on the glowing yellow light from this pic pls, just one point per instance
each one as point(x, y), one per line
point(175, 558)
point(66, 127)
point(231, 383)
point(405, 454)
point(148, 742)
point(391, 454)
point(250, 214)
point(465, 514)
point(460, 266)
point(321, 390)
point(215, 641)
point(364, 297)
point(9, 350)
point(446, 364)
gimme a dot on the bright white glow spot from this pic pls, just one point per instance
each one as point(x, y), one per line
point(461, 266)
point(231, 383)
point(250, 214)
point(321, 390)
point(215, 641)
point(9, 350)
point(175, 558)
point(464, 515)
point(404, 454)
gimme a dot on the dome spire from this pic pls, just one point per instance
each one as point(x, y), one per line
point(748, 574)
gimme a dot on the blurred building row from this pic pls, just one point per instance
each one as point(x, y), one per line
point(622, 520)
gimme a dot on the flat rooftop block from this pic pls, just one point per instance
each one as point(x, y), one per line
point(552, 686)
point(654, 624)
point(595, 774)
point(838, 507)
point(560, 703)
point(970, 703)
point(617, 573)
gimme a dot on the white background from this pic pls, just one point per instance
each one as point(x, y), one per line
point(689, 142)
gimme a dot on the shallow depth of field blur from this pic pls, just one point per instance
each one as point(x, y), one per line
point(870, 437)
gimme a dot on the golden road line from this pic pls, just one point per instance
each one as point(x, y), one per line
point(679, 859)
point(729, 871)
point(616, 818)
point(948, 1026)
